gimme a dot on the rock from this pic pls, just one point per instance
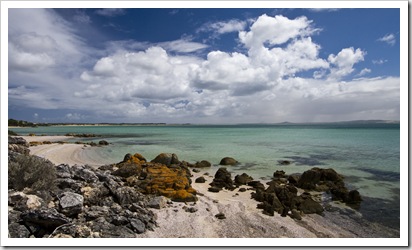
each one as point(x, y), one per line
point(84, 174)
point(220, 216)
point(256, 185)
point(295, 215)
point(166, 159)
point(136, 158)
point(18, 141)
point(203, 164)
point(71, 203)
point(223, 179)
point(43, 221)
point(294, 178)
point(196, 170)
point(127, 195)
point(94, 195)
point(242, 189)
point(128, 169)
point(214, 189)
point(103, 143)
point(228, 161)
point(309, 206)
point(138, 226)
point(157, 202)
point(190, 209)
point(354, 197)
point(200, 179)
point(311, 178)
point(63, 171)
point(242, 179)
point(19, 149)
point(284, 162)
point(95, 212)
point(279, 174)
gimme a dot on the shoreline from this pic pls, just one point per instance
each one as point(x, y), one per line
point(243, 219)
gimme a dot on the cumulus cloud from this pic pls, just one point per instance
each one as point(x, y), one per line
point(52, 68)
point(343, 62)
point(389, 39)
point(82, 17)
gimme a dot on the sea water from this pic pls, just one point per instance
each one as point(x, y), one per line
point(367, 155)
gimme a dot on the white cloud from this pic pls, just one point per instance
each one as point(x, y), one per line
point(222, 27)
point(364, 71)
point(344, 62)
point(182, 46)
point(168, 82)
point(275, 31)
point(323, 9)
point(380, 61)
point(389, 39)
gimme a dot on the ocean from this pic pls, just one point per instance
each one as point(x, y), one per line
point(367, 155)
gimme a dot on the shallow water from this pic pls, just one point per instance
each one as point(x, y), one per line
point(367, 155)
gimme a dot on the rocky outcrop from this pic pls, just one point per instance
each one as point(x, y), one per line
point(329, 180)
point(202, 164)
point(242, 179)
point(166, 159)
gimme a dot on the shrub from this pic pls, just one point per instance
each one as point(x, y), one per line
point(33, 172)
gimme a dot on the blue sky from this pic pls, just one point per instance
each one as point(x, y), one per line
point(203, 65)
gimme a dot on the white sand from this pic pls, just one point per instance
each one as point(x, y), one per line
point(65, 153)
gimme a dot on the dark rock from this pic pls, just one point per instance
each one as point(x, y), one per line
point(243, 179)
point(309, 206)
point(284, 162)
point(94, 195)
point(256, 185)
point(220, 216)
point(203, 164)
point(70, 184)
point(353, 197)
point(119, 220)
point(190, 209)
point(200, 179)
point(196, 170)
point(279, 174)
point(242, 189)
point(128, 169)
point(63, 171)
point(295, 215)
point(71, 203)
point(84, 174)
point(294, 178)
point(228, 161)
point(166, 159)
point(214, 189)
point(127, 195)
point(138, 226)
point(103, 143)
point(43, 221)
point(18, 141)
point(95, 212)
point(21, 149)
point(309, 179)
point(223, 179)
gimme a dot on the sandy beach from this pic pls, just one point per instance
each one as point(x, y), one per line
point(69, 153)
point(243, 219)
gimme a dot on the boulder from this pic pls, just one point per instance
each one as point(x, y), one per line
point(220, 216)
point(294, 178)
point(243, 179)
point(43, 221)
point(84, 174)
point(202, 164)
point(309, 206)
point(138, 226)
point(63, 171)
point(354, 197)
point(223, 179)
point(18, 141)
point(127, 169)
point(284, 162)
point(70, 203)
point(166, 159)
point(228, 161)
point(157, 202)
point(103, 143)
point(279, 174)
point(200, 179)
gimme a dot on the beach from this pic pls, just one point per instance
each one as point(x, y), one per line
point(242, 218)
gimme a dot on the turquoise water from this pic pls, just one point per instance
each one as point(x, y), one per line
point(368, 155)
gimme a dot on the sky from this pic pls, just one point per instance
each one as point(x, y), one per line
point(204, 65)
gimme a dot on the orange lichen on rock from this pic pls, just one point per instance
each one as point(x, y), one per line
point(157, 178)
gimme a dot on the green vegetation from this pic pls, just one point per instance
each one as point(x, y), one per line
point(38, 174)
